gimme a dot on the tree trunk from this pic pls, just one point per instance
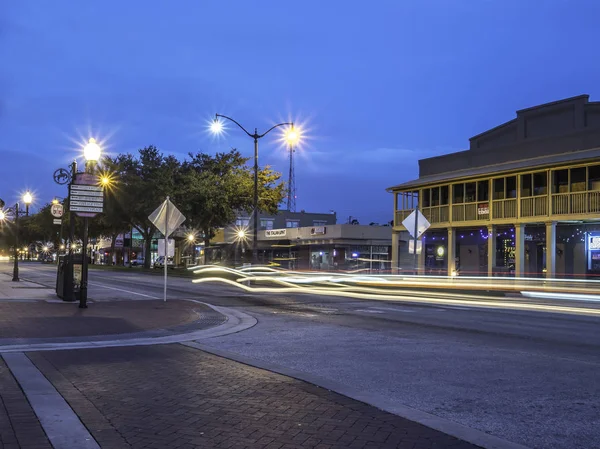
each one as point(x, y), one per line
point(206, 245)
point(113, 242)
point(147, 249)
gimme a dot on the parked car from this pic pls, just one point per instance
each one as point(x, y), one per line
point(160, 262)
point(139, 262)
point(47, 258)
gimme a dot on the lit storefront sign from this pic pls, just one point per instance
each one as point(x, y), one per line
point(275, 233)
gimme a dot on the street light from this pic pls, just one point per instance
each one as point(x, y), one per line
point(92, 153)
point(27, 199)
point(217, 127)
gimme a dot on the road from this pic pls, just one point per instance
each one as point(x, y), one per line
point(530, 377)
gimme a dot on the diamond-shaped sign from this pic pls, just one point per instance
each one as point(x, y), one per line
point(421, 222)
point(167, 218)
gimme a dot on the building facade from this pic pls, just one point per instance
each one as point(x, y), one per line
point(523, 200)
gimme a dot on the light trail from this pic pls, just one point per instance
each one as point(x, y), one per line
point(382, 288)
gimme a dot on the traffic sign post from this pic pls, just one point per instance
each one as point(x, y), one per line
point(416, 224)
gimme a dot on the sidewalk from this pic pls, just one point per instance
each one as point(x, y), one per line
point(172, 396)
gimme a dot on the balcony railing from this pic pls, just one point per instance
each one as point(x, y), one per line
point(437, 214)
point(502, 209)
point(535, 206)
point(575, 203)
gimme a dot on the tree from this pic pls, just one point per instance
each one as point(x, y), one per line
point(144, 181)
point(217, 187)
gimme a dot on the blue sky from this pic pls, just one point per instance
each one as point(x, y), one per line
point(378, 85)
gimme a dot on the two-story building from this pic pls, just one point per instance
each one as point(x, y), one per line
point(524, 199)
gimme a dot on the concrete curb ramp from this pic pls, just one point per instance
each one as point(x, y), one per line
point(446, 426)
point(236, 322)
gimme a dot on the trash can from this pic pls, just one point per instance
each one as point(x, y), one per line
point(68, 277)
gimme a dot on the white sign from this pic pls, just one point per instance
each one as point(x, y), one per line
point(86, 200)
point(161, 247)
point(166, 217)
point(594, 242)
point(57, 210)
point(318, 230)
point(411, 246)
point(422, 223)
point(275, 233)
point(483, 209)
point(57, 221)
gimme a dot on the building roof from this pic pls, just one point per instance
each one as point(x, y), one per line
point(537, 162)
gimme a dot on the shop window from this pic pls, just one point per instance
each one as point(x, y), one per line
point(319, 223)
point(483, 191)
point(578, 179)
point(470, 192)
point(292, 223)
point(435, 196)
point(239, 222)
point(594, 177)
point(540, 183)
point(511, 187)
point(560, 181)
point(526, 186)
point(444, 195)
point(458, 193)
point(426, 197)
point(499, 189)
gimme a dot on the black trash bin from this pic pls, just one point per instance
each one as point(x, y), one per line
point(69, 277)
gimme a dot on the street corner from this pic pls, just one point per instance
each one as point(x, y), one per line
point(38, 321)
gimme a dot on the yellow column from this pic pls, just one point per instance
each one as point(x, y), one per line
point(491, 249)
point(519, 250)
point(395, 249)
point(551, 249)
point(451, 252)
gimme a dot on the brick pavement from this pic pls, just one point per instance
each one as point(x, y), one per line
point(19, 426)
point(176, 397)
point(41, 319)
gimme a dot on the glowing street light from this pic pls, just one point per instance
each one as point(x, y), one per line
point(241, 235)
point(2, 215)
point(27, 199)
point(92, 151)
point(217, 128)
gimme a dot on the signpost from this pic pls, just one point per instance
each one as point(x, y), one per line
point(416, 224)
point(86, 199)
point(57, 210)
point(167, 218)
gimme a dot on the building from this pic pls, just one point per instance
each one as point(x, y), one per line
point(311, 241)
point(523, 200)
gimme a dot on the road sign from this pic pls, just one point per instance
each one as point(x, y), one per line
point(57, 210)
point(84, 199)
point(57, 221)
point(411, 246)
point(421, 222)
point(167, 218)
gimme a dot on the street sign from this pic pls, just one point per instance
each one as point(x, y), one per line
point(84, 199)
point(167, 218)
point(57, 210)
point(422, 223)
point(57, 221)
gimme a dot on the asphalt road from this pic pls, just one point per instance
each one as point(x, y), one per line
point(530, 377)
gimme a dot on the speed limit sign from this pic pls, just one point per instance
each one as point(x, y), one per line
point(57, 210)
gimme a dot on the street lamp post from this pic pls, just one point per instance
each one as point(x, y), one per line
point(27, 199)
point(217, 128)
point(91, 152)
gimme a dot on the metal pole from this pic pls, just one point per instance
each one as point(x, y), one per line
point(416, 257)
point(16, 261)
point(84, 268)
point(68, 292)
point(166, 260)
point(255, 214)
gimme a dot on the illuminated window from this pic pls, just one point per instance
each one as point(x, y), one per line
point(242, 221)
point(292, 223)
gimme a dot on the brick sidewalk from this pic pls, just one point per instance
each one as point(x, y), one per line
point(172, 396)
point(40, 319)
point(19, 426)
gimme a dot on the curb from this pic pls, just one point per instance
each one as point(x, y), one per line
point(236, 322)
point(473, 436)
